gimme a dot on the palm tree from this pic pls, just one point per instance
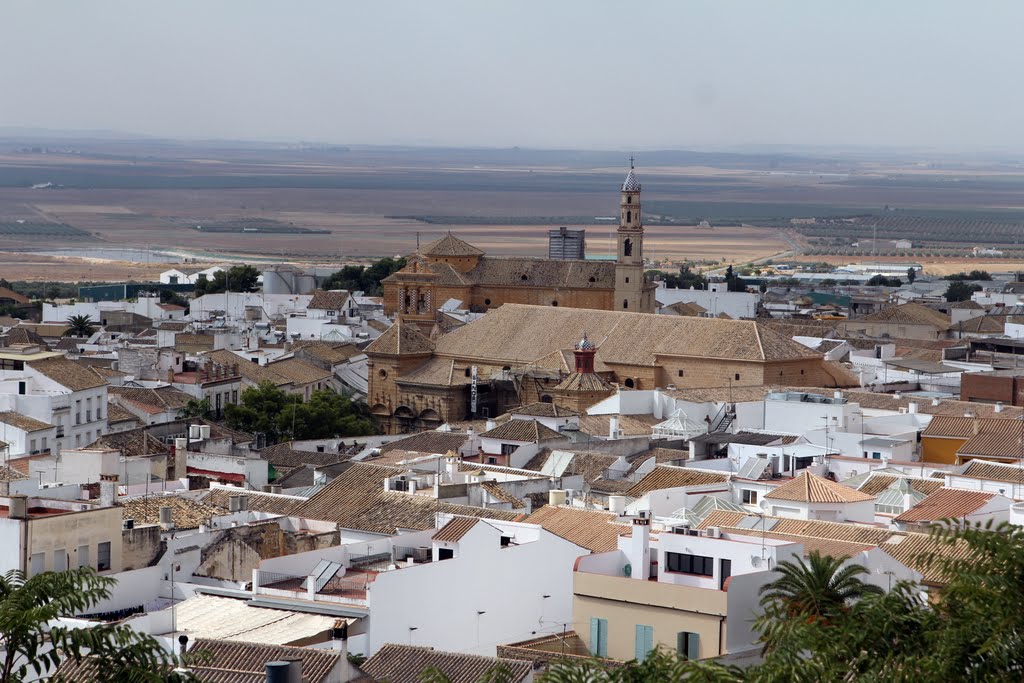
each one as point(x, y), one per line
point(819, 587)
point(80, 326)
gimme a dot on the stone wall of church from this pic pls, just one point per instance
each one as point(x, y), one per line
point(484, 298)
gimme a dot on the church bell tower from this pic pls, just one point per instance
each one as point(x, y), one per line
point(629, 266)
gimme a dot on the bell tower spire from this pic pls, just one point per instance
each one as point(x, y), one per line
point(629, 264)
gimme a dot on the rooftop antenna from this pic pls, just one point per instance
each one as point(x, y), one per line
point(417, 240)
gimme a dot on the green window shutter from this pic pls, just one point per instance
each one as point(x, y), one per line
point(599, 637)
point(644, 641)
point(693, 646)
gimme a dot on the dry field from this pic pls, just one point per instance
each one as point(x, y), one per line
point(36, 268)
point(932, 266)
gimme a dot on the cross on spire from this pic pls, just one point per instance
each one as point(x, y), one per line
point(631, 161)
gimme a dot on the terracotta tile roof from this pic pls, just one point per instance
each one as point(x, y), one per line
point(163, 398)
point(1007, 446)
point(453, 531)
point(223, 661)
point(185, 341)
point(946, 407)
point(330, 353)
point(67, 373)
point(909, 314)
point(130, 443)
point(186, 513)
point(583, 382)
point(7, 293)
point(285, 455)
point(406, 664)
point(518, 333)
point(924, 554)
point(660, 455)
point(449, 245)
point(298, 371)
point(10, 473)
point(669, 477)
point(946, 503)
point(590, 529)
point(965, 427)
point(400, 339)
point(534, 272)
point(116, 413)
point(437, 372)
point(356, 499)
point(995, 471)
point(271, 503)
point(427, 442)
point(328, 300)
point(23, 422)
point(686, 308)
point(530, 431)
point(629, 425)
point(24, 335)
point(810, 488)
point(252, 372)
point(495, 489)
point(877, 483)
point(835, 531)
point(541, 409)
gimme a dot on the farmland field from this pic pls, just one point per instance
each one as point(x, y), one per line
point(331, 205)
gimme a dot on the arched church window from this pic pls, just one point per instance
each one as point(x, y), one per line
point(625, 303)
point(630, 383)
point(627, 247)
point(629, 216)
point(629, 199)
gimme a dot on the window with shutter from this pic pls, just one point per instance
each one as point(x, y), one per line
point(599, 637)
point(688, 644)
point(644, 641)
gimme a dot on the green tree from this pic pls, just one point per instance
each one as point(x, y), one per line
point(269, 410)
point(34, 646)
point(958, 290)
point(911, 274)
point(362, 278)
point(686, 279)
point(80, 326)
point(258, 410)
point(235, 279)
point(195, 407)
point(883, 281)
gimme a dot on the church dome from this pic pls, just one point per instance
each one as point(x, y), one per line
point(631, 184)
point(584, 344)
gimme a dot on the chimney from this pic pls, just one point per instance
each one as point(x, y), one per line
point(108, 490)
point(339, 638)
point(640, 546)
point(999, 407)
point(18, 507)
point(170, 376)
point(491, 424)
point(912, 407)
point(837, 394)
point(613, 427)
point(617, 504)
point(935, 401)
point(166, 520)
point(897, 395)
point(294, 669)
point(278, 672)
point(204, 431)
point(975, 426)
point(451, 467)
point(556, 497)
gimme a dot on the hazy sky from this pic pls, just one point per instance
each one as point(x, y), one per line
point(630, 74)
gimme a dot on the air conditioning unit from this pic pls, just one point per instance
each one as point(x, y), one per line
point(713, 532)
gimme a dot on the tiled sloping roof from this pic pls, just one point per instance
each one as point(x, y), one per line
point(946, 407)
point(298, 371)
point(186, 513)
point(164, 398)
point(399, 339)
point(983, 324)
point(629, 425)
point(669, 477)
point(583, 382)
point(9, 473)
point(131, 443)
point(994, 446)
point(285, 455)
point(964, 427)
point(328, 300)
point(836, 531)
point(909, 314)
point(449, 245)
point(406, 664)
point(24, 335)
point(810, 488)
point(501, 494)
point(331, 353)
point(222, 661)
point(356, 500)
point(686, 308)
point(116, 413)
point(924, 554)
point(252, 372)
point(437, 372)
point(877, 483)
point(271, 503)
point(946, 503)
point(7, 293)
point(185, 341)
point(534, 272)
point(519, 333)
point(660, 455)
point(994, 471)
point(541, 409)
point(453, 531)
point(23, 422)
point(521, 430)
point(590, 529)
point(427, 442)
point(67, 373)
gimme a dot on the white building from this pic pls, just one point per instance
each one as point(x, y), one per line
point(716, 299)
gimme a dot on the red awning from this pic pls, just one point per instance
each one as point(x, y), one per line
point(226, 476)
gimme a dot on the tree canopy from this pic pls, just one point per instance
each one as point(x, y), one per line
point(973, 275)
point(269, 410)
point(234, 279)
point(35, 646)
point(958, 290)
point(883, 281)
point(685, 279)
point(364, 279)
